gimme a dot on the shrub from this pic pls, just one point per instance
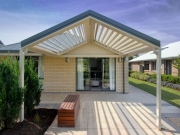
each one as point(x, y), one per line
point(146, 77)
point(174, 79)
point(141, 76)
point(130, 71)
point(37, 118)
point(153, 76)
point(33, 89)
point(10, 92)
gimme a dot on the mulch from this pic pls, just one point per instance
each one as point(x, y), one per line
point(29, 127)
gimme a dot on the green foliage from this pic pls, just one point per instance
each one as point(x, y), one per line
point(86, 74)
point(174, 79)
point(165, 77)
point(106, 75)
point(37, 118)
point(33, 90)
point(130, 71)
point(141, 76)
point(176, 64)
point(10, 93)
point(153, 76)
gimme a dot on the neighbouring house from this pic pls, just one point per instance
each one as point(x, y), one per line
point(85, 53)
point(147, 62)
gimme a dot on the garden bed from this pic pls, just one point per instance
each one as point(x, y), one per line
point(29, 127)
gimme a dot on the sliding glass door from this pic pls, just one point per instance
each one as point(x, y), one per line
point(95, 74)
point(108, 81)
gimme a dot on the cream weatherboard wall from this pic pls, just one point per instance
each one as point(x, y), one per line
point(60, 76)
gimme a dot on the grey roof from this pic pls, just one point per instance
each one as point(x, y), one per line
point(1, 42)
point(169, 51)
point(12, 48)
point(94, 15)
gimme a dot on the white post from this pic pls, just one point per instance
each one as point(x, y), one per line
point(158, 89)
point(21, 66)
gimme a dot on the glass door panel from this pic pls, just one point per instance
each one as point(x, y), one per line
point(87, 80)
point(108, 76)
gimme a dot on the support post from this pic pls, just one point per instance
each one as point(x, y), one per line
point(21, 66)
point(158, 89)
point(123, 59)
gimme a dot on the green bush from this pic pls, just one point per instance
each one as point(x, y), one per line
point(33, 89)
point(168, 78)
point(10, 93)
point(130, 71)
point(174, 79)
point(146, 77)
point(141, 76)
point(153, 76)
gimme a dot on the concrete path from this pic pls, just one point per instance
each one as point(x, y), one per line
point(110, 113)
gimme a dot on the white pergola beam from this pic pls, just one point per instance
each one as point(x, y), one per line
point(40, 50)
point(52, 42)
point(87, 30)
point(81, 35)
point(21, 66)
point(52, 35)
point(132, 43)
point(124, 43)
point(143, 50)
point(111, 38)
point(100, 32)
point(68, 39)
point(124, 38)
point(115, 40)
point(74, 32)
point(108, 37)
point(124, 33)
point(133, 48)
point(72, 37)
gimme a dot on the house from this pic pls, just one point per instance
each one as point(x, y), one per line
point(147, 62)
point(85, 53)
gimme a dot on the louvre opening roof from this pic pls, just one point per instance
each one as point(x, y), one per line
point(169, 51)
point(90, 27)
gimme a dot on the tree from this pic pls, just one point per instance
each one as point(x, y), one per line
point(33, 86)
point(176, 64)
point(10, 92)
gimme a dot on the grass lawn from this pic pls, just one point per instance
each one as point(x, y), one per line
point(168, 94)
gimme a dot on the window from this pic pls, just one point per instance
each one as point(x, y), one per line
point(146, 65)
point(153, 65)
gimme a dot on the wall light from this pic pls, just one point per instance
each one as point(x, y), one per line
point(67, 59)
point(120, 59)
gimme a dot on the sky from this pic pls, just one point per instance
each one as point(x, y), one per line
point(20, 19)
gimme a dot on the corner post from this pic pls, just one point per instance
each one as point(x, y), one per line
point(21, 66)
point(158, 89)
point(123, 60)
